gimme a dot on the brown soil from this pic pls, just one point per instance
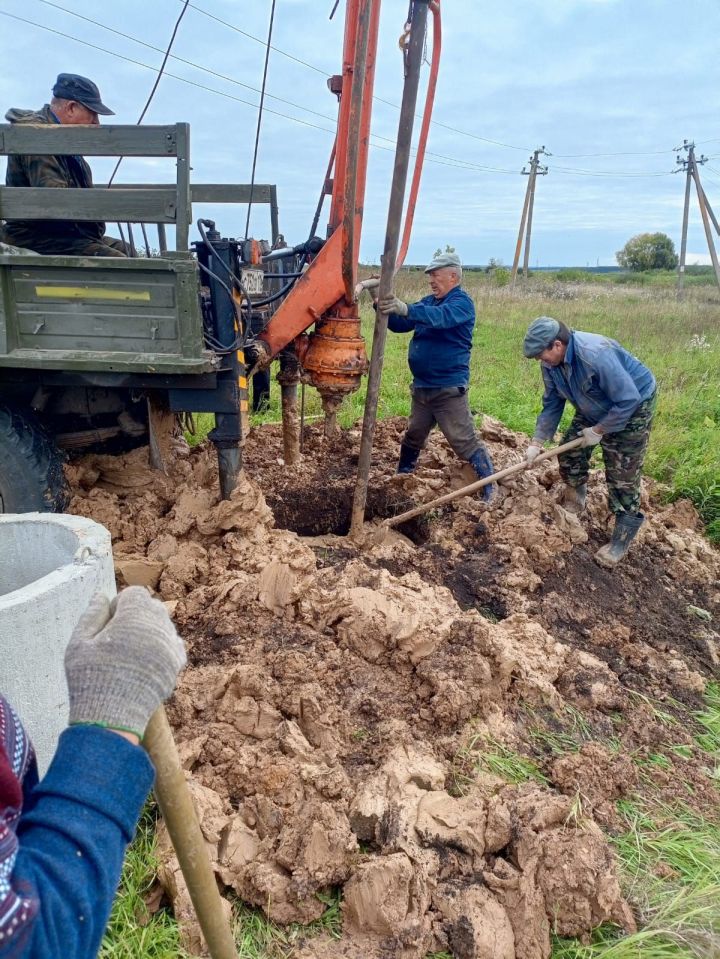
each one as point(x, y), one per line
point(339, 695)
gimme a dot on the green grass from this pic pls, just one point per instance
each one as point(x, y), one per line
point(132, 932)
point(679, 341)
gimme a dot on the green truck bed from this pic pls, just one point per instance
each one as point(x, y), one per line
point(101, 314)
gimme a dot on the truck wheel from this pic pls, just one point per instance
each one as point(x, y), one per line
point(31, 473)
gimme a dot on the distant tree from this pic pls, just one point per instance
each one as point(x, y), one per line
point(648, 251)
point(493, 264)
point(440, 251)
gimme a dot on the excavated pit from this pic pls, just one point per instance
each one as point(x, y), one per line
point(338, 696)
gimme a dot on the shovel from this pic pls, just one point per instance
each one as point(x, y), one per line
point(474, 487)
point(173, 797)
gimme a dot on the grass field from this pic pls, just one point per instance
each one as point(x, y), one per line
point(679, 341)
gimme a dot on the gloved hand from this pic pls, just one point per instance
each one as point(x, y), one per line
point(533, 451)
point(391, 304)
point(122, 661)
point(371, 284)
point(591, 437)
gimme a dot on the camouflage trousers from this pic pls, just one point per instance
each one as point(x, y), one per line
point(623, 454)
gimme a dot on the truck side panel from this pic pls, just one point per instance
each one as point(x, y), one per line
point(97, 314)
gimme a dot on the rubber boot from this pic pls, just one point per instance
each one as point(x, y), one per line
point(408, 459)
point(573, 498)
point(626, 527)
point(482, 464)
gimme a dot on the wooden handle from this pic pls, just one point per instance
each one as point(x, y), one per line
point(474, 487)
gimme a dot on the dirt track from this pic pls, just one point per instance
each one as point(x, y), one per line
point(338, 700)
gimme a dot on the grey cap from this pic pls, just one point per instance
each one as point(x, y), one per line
point(71, 86)
point(541, 334)
point(444, 259)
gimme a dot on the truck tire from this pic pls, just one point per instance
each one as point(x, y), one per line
point(31, 473)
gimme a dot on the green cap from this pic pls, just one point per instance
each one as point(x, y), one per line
point(541, 334)
point(443, 260)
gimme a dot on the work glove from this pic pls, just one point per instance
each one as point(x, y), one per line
point(371, 284)
point(591, 437)
point(122, 661)
point(532, 452)
point(391, 304)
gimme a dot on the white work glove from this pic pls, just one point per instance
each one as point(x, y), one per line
point(591, 437)
point(532, 452)
point(122, 661)
point(391, 304)
point(371, 284)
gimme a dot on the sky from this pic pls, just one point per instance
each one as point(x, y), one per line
point(608, 87)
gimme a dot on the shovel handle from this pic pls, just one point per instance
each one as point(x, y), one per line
point(176, 806)
point(474, 487)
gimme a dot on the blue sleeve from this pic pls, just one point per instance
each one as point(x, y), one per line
point(72, 842)
point(552, 410)
point(400, 324)
point(619, 387)
point(454, 311)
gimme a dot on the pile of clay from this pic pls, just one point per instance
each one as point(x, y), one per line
point(339, 695)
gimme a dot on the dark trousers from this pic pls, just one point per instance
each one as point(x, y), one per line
point(450, 410)
point(623, 455)
point(57, 246)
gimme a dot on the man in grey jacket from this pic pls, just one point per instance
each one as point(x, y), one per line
point(614, 396)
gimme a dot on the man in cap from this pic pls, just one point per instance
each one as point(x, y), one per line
point(439, 359)
point(614, 396)
point(75, 100)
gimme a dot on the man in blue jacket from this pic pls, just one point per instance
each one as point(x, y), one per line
point(614, 397)
point(439, 359)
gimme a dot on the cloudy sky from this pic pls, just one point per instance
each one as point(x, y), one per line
point(609, 87)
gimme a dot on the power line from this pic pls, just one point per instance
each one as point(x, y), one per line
point(157, 81)
point(259, 121)
point(389, 103)
point(190, 63)
point(643, 153)
point(437, 158)
point(433, 157)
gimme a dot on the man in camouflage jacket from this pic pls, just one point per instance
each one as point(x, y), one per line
point(76, 100)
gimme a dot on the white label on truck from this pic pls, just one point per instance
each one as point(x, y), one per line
point(252, 280)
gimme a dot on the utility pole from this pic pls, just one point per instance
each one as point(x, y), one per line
point(690, 165)
point(527, 214)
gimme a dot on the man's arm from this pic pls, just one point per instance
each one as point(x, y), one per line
point(72, 844)
point(552, 411)
point(64, 861)
point(400, 324)
point(397, 322)
point(619, 387)
point(453, 312)
point(45, 171)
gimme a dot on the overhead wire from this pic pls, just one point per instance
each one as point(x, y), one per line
point(259, 120)
point(436, 158)
point(152, 92)
point(215, 73)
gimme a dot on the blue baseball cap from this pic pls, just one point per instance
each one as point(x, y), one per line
point(71, 86)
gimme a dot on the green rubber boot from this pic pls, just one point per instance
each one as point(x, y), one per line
point(626, 528)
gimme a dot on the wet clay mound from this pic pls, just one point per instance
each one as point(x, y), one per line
point(330, 719)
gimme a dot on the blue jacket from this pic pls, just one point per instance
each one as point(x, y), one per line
point(604, 382)
point(71, 839)
point(439, 351)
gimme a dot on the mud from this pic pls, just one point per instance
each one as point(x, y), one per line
point(339, 698)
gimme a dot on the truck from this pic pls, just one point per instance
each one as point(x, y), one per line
point(104, 353)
